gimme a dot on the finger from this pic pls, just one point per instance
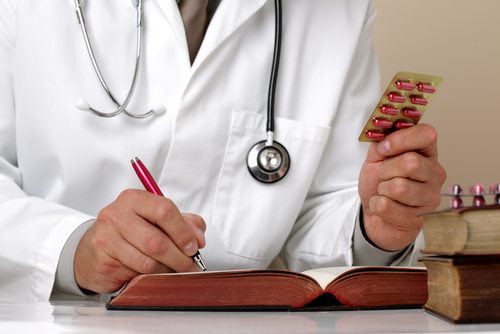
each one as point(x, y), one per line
point(410, 165)
point(421, 138)
point(133, 258)
point(402, 218)
point(163, 213)
point(198, 226)
point(158, 250)
point(386, 230)
point(411, 193)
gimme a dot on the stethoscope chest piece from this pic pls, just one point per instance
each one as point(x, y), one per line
point(268, 163)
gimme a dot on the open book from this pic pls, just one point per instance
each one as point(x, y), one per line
point(326, 288)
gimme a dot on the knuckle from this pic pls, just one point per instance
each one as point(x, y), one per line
point(105, 215)
point(128, 195)
point(99, 242)
point(155, 244)
point(399, 187)
point(411, 162)
point(108, 216)
point(165, 209)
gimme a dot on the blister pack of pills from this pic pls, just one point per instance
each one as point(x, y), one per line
point(477, 193)
point(401, 106)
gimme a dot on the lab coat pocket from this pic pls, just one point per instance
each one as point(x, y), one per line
point(252, 218)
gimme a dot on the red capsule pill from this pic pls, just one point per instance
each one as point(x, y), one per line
point(382, 123)
point(478, 201)
point(374, 135)
point(456, 202)
point(495, 188)
point(411, 113)
point(396, 97)
point(420, 100)
point(387, 109)
point(403, 124)
point(477, 189)
point(405, 85)
point(426, 88)
point(455, 190)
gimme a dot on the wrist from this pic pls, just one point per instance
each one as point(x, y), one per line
point(383, 235)
point(363, 230)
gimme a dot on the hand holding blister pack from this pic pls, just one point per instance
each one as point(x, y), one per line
point(401, 106)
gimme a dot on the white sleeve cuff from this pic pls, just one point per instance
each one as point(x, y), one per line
point(65, 282)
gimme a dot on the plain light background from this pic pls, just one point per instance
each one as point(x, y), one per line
point(460, 41)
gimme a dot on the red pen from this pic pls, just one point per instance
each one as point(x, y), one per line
point(151, 186)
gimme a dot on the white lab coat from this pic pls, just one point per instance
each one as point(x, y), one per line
point(59, 165)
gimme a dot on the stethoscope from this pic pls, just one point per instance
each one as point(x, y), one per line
point(268, 161)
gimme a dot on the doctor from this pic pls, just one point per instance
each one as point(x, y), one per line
point(73, 216)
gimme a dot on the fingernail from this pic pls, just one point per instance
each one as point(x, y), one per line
point(384, 147)
point(190, 248)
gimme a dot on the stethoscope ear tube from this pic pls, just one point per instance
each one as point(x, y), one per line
point(83, 104)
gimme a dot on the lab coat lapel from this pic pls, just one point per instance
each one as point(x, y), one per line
point(230, 15)
point(171, 12)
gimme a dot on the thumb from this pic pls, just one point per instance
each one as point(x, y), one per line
point(374, 154)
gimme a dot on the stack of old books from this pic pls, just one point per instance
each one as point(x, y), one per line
point(462, 256)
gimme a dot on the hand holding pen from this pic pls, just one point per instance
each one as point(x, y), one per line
point(138, 233)
point(151, 186)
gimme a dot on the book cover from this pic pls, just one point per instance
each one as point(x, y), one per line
point(464, 288)
point(465, 231)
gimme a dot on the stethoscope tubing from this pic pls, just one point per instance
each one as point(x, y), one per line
point(268, 161)
point(271, 96)
point(121, 107)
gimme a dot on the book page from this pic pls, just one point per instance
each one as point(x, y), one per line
point(325, 276)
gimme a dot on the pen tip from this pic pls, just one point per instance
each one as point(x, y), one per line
point(134, 160)
point(199, 261)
